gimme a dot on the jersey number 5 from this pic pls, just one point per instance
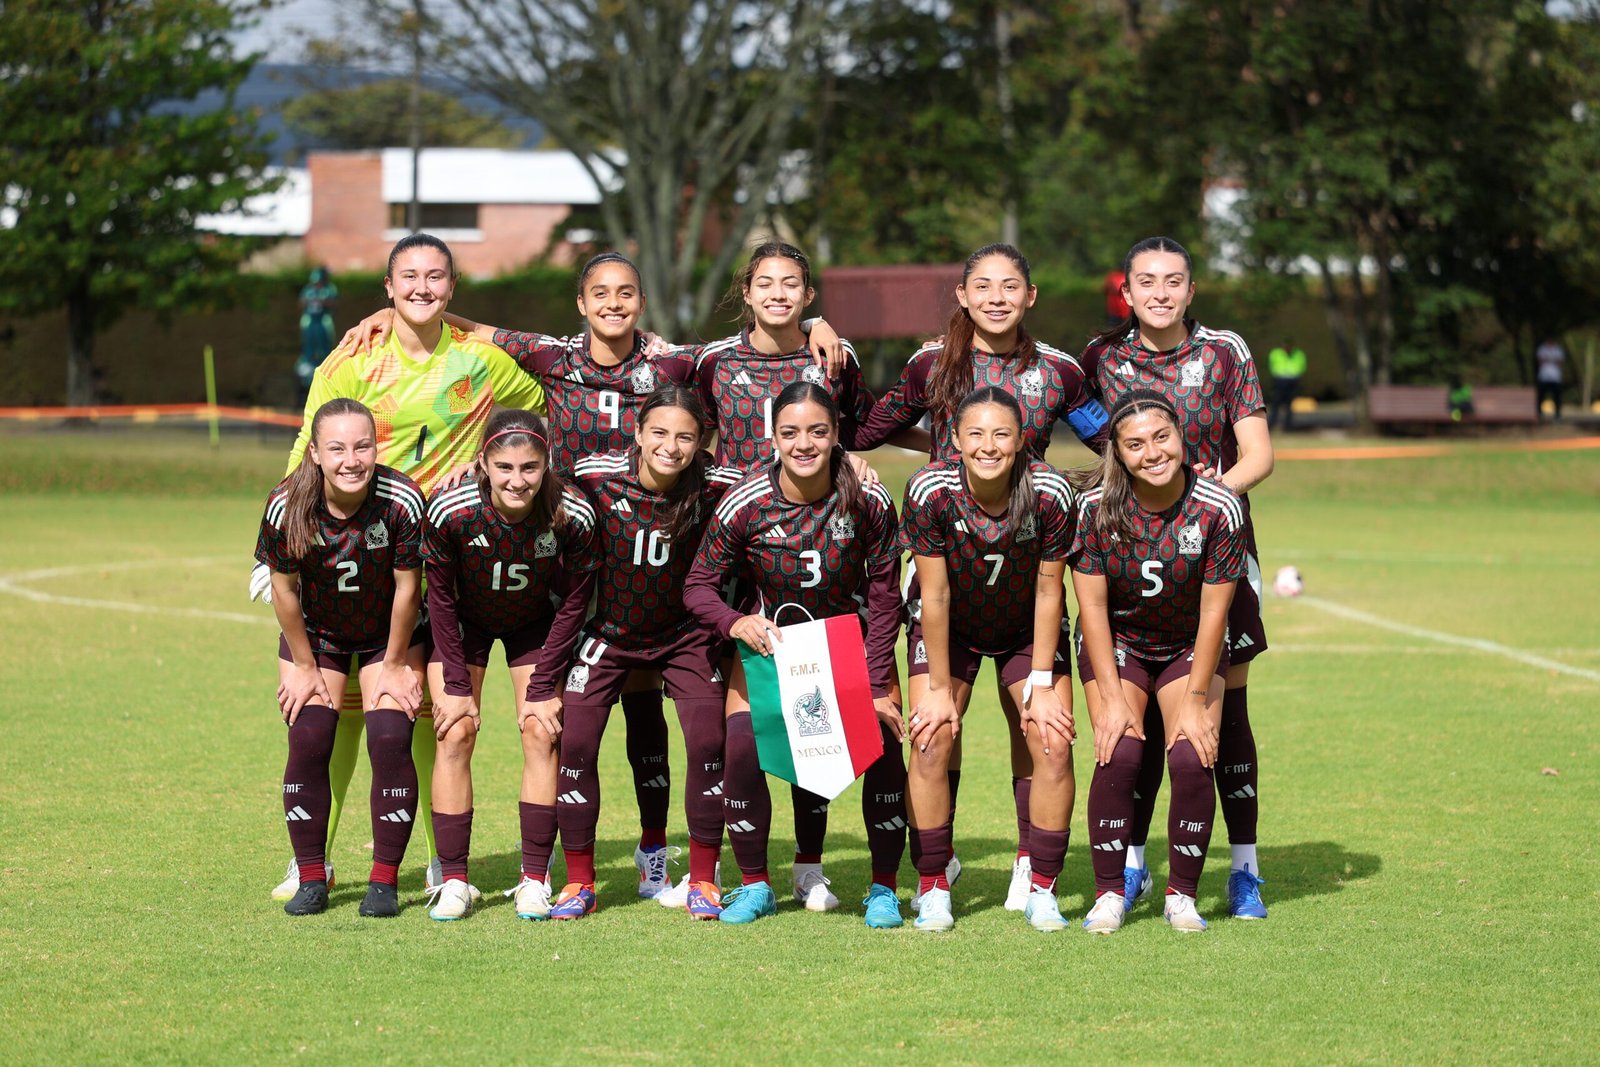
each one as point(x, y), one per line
point(1150, 571)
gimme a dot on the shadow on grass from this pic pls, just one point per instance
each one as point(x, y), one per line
point(1310, 868)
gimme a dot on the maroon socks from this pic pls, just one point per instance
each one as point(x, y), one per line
point(647, 756)
point(539, 841)
point(307, 796)
point(452, 837)
point(1194, 804)
point(1236, 768)
point(1110, 813)
point(746, 804)
point(394, 790)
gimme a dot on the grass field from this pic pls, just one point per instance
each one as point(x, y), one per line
point(1431, 784)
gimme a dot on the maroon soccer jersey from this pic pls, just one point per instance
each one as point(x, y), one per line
point(740, 385)
point(814, 555)
point(639, 591)
point(592, 407)
point(1210, 379)
point(347, 576)
point(993, 569)
point(1153, 583)
point(496, 576)
point(1050, 387)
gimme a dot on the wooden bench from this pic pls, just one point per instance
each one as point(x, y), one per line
point(1504, 405)
point(1499, 405)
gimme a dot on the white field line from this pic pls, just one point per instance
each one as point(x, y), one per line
point(1477, 644)
point(14, 584)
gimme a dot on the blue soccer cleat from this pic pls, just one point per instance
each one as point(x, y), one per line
point(576, 901)
point(748, 903)
point(704, 901)
point(1244, 896)
point(1136, 883)
point(883, 908)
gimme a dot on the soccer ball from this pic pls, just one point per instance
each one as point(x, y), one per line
point(1288, 582)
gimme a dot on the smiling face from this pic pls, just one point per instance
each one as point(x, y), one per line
point(990, 439)
point(1151, 448)
point(1159, 290)
point(515, 473)
point(996, 295)
point(420, 284)
point(805, 435)
point(611, 301)
point(778, 294)
point(346, 451)
point(668, 438)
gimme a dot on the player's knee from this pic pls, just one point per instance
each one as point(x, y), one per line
point(459, 741)
point(1183, 764)
point(388, 733)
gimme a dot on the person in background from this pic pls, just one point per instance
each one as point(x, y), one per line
point(1551, 360)
point(317, 301)
point(1287, 362)
point(1117, 309)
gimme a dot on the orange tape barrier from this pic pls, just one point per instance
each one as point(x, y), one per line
point(153, 413)
point(1563, 444)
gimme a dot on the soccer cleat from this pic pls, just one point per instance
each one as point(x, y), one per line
point(1043, 911)
point(1181, 914)
point(678, 895)
point(811, 888)
point(310, 898)
point(381, 902)
point(1106, 915)
point(882, 908)
point(286, 889)
point(435, 875)
point(952, 871)
point(654, 877)
point(934, 915)
point(1244, 896)
point(1021, 884)
point(451, 901)
point(748, 903)
point(704, 901)
point(1136, 883)
point(576, 901)
point(531, 897)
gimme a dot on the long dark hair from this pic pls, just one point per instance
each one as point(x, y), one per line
point(1150, 244)
point(304, 497)
point(852, 498)
point(1116, 500)
point(734, 298)
point(508, 428)
point(679, 510)
point(1024, 499)
point(601, 260)
point(420, 240)
point(952, 371)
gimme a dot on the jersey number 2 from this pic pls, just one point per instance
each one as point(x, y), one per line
point(347, 576)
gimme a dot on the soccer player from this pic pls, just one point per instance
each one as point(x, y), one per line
point(989, 536)
point(805, 533)
point(431, 389)
point(987, 343)
point(1210, 380)
point(653, 502)
point(1157, 553)
point(510, 556)
point(341, 536)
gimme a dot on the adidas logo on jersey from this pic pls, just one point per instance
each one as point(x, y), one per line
point(1126, 370)
point(742, 378)
point(621, 507)
point(395, 816)
point(777, 533)
point(320, 542)
point(481, 541)
point(961, 526)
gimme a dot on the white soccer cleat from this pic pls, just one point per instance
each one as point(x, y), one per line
point(952, 871)
point(1043, 911)
point(676, 896)
point(811, 888)
point(935, 915)
point(1021, 884)
point(286, 889)
point(654, 877)
point(435, 875)
point(450, 901)
point(1181, 914)
point(532, 898)
point(1106, 915)
point(261, 589)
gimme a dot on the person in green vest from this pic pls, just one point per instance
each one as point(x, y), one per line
point(317, 300)
point(1287, 362)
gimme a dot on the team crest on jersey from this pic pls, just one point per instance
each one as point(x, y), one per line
point(460, 394)
point(921, 654)
point(578, 678)
point(1189, 541)
point(1192, 373)
point(378, 535)
point(545, 545)
point(841, 528)
point(811, 714)
point(643, 378)
point(1026, 529)
point(814, 374)
point(1031, 382)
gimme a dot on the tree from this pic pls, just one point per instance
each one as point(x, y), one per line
point(376, 115)
point(679, 110)
point(102, 185)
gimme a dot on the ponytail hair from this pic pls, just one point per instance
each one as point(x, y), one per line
point(734, 297)
point(952, 371)
point(1118, 331)
point(679, 511)
point(304, 497)
point(509, 428)
point(852, 497)
point(1024, 499)
point(601, 260)
point(1116, 500)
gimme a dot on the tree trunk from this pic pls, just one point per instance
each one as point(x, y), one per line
point(80, 345)
point(1339, 326)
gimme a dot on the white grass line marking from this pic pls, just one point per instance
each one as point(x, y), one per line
point(1478, 644)
point(13, 584)
point(1352, 649)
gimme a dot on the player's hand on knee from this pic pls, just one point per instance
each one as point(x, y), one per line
point(545, 713)
point(301, 686)
point(936, 711)
point(449, 710)
point(1115, 721)
point(398, 683)
point(261, 583)
point(1044, 711)
point(1195, 726)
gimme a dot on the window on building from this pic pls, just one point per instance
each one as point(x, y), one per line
point(437, 216)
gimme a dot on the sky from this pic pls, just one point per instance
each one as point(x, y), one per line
point(281, 30)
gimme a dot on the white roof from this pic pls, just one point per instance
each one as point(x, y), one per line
point(285, 213)
point(489, 176)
